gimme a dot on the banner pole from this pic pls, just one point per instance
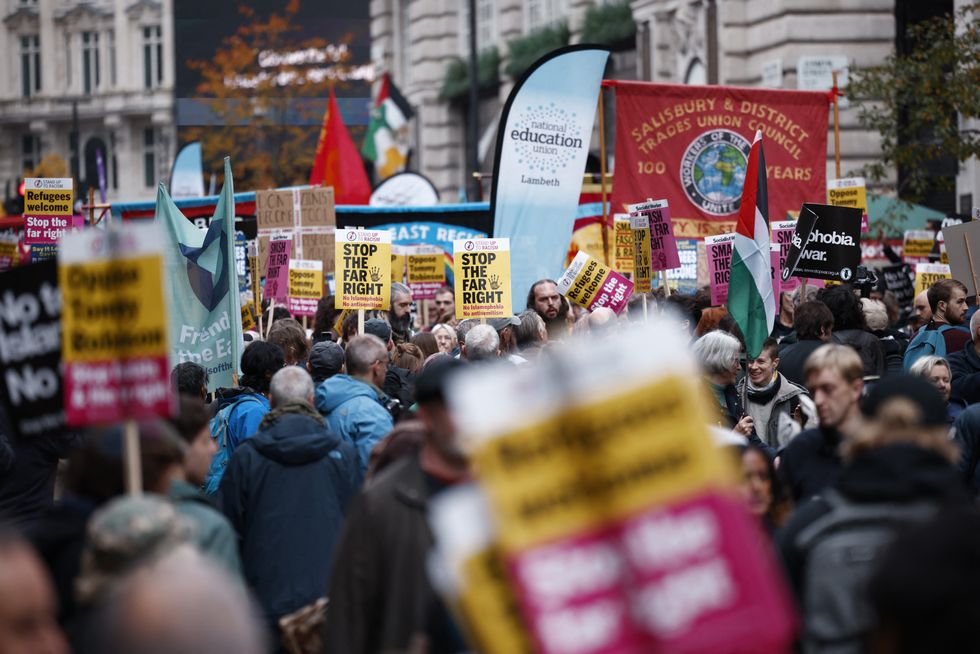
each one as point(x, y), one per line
point(272, 310)
point(360, 322)
point(644, 296)
point(131, 458)
point(91, 207)
point(836, 125)
point(602, 181)
point(663, 274)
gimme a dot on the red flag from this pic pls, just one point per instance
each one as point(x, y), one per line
point(337, 162)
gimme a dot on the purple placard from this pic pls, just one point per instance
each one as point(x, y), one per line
point(663, 245)
point(277, 269)
point(719, 253)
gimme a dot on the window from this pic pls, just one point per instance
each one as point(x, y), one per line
point(30, 152)
point(152, 57)
point(542, 13)
point(485, 18)
point(149, 157)
point(111, 34)
point(90, 61)
point(30, 65)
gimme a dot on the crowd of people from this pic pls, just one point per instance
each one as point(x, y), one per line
point(289, 513)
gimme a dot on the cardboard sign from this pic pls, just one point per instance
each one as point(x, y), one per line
point(305, 286)
point(917, 245)
point(308, 213)
point(48, 210)
point(899, 280)
point(927, 274)
point(363, 275)
point(624, 253)
point(482, 272)
point(426, 271)
point(647, 551)
point(591, 284)
point(8, 250)
point(832, 250)
point(277, 267)
point(684, 279)
point(963, 249)
point(30, 350)
point(642, 273)
point(663, 246)
point(849, 192)
point(719, 253)
point(114, 337)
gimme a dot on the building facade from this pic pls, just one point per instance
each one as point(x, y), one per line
point(84, 80)
point(774, 43)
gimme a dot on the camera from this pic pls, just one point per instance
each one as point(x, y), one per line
point(394, 407)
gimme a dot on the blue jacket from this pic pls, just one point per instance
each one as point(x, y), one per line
point(245, 417)
point(286, 491)
point(355, 411)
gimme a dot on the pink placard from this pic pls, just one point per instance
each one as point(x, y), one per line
point(776, 270)
point(694, 577)
point(615, 293)
point(663, 245)
point(719, 253)
point(277, 269)
point(301, 306)
point(98, 392)
point(46, 230)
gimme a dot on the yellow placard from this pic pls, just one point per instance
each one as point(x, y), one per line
point(363, 277)
point(305, 281)
point(918, 244)
point(426, 268)
point(482, 271)
point(927, 274)
point(642, 268)
point(48, 197)
point(609, 458)
point(582, 281)
point(624, 253)
point(850, 192)
point(399, 254)
point(113, 309)
point(248, 322)
point(489, 607)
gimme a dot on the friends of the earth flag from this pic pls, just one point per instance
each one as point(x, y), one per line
point(542, 144)
point(205, 308)
point(386, 140)
point(750, 297)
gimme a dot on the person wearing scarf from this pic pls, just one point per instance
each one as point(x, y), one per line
point(779, 408)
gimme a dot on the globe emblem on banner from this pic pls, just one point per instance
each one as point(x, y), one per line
point(546, 138)
point(713, 171)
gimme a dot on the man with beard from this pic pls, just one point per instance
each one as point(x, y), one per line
point(400, 314)
point(545, 299)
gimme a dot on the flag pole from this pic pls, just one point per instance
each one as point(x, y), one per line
point(836, 125)
point(602, 181)
point(131, 458)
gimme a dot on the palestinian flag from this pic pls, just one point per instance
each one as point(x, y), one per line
point(386, 141)
point(750, 296)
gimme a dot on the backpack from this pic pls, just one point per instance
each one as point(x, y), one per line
point(927, 342)
point(220, 433)
point(841, 550)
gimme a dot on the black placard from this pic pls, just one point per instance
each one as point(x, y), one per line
point(832, 237)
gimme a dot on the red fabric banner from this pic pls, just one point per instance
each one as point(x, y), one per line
point(690, 145)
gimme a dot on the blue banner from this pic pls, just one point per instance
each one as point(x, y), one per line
point(205, 309)
point(542, 145)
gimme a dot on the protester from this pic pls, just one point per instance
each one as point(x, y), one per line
point(285, 492)
point(966, 434)
point(427, 343)
point(783, 326)
point(893, 342)
point(506, 329)
point(761, 488)
point(446, 338)
point(408, 357)
point(964, 366)
point(400, 313)
point(381, 599)
point(399, 382)
point(462, 329)
point(482, 344)
point(28, 605)
point(241, 409)
point(779, 408)
point(924, 591)
point(936, 371)
point(851, 329)
point(921, 311)
point(289, 335)
point(189, 378)
point(326, 360)
point(445, 303)
point(812, 460)
point(324, 319)
point(814, 324)
point(531, 334)
point(602, 321)
point(177, 470)
point(899, 471)
point(405, 439)
point(947, 301)
point(544, 298)
point(27, 486)
point(686, 309)
point(278, 313)
point(353, 403)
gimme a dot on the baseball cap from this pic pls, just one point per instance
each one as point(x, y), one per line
point(430, 385)
point(326, 360)
point(500, 323)
point(918, 391)
point(378, 327)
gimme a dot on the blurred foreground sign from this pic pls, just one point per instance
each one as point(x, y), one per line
point(114, 338)
point(614, 512)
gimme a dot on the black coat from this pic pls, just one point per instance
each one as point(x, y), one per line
point(966, 433)
point(964, 367)
point(286, 491)
point(793, 356)
point(810, 462)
